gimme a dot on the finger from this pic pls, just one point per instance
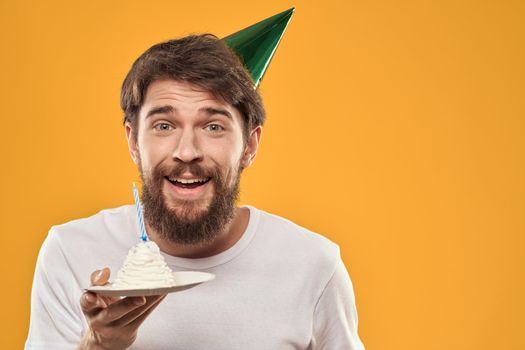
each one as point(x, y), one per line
point(151, 303)
point(106, 301)
point(118, 309)
point(100, 277)
point(109, 300)
point(90, 303)
point(137, 321)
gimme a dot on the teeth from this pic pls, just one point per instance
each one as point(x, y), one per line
point(186, 181)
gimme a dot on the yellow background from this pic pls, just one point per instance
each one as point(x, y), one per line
point(395, 128)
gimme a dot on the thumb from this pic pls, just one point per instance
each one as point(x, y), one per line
point(100, 277)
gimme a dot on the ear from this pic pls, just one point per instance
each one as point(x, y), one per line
point(132, 143)
point(251, 147)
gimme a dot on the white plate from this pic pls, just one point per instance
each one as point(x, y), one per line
point(183, 280)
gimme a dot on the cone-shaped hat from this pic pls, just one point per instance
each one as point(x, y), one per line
point(256, 44)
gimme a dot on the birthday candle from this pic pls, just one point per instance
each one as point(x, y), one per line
point(143, 234)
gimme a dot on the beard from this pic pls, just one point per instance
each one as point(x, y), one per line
point(187, 223)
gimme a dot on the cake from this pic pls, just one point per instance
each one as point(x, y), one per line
point(144, 268)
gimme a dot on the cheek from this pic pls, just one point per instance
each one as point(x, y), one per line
point(226, 155)
point(152, 152)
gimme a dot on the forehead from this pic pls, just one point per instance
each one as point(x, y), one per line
point(174, 91)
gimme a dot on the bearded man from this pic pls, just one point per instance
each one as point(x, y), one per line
point(193, 122)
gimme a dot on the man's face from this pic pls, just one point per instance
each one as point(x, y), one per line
point(190, 152)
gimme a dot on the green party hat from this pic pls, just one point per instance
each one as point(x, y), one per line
point(256, 44)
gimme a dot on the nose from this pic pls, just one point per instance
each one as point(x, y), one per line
point(187, 149)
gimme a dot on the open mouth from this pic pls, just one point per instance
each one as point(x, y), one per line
point(188, 183)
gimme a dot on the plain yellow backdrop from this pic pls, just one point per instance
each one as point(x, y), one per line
point(395, 128)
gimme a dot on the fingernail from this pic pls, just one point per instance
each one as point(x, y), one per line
point(98, 275)
point(139, 301)
point(90, 297)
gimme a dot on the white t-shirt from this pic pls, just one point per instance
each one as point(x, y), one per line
point(279, 287)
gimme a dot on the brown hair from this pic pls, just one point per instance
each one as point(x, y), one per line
point(203, 60)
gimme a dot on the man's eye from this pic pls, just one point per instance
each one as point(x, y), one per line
point(214, 127)
point(162, 127)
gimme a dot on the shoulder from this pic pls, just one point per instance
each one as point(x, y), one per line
point(92, 226)
point(297, 242)
point(105, 217)
point(92, 237)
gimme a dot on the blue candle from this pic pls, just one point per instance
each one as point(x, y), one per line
point(143, 234)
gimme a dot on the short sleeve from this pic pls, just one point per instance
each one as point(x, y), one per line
point(55, 320)
point(335, 315)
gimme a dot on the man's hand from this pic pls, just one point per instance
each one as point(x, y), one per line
point(113, 322)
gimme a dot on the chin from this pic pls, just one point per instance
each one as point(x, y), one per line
point(189, 210)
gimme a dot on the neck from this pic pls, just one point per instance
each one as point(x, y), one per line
point(224, 240)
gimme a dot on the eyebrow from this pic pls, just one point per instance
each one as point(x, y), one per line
point(211, 111)
point(160, 110)
point(170, 109)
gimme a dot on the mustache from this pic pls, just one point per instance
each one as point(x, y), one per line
point(192, 168)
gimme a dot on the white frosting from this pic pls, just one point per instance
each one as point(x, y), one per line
point(144, 267)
